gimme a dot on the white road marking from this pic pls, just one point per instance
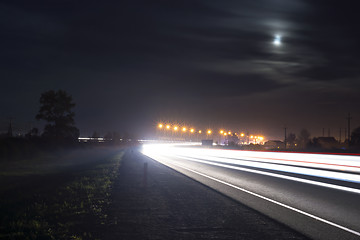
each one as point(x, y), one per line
point(322, 184)
point(324, 173)
point(273, 201)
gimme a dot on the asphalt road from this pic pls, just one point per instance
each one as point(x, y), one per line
point(169, 205)
point(315, 194)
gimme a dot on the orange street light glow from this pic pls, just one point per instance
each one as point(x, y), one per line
point(221, 132)
point(251, 136)
point(184, 129)
point(209, 132)
point(200, 131)
point(242, 134)
point(168, 127)
point(192, 130)
point(229, 132)
point(160, 125)
point(225, 134)
point(175, 128)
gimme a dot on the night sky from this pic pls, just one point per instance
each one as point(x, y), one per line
point(130, 64)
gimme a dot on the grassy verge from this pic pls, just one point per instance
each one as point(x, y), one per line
point(69, 204)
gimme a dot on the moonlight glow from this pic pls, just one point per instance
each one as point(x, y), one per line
point(277, 40)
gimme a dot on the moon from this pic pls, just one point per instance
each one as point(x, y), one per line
point(277, 40)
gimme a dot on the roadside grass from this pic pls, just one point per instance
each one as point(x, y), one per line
point(58, 205)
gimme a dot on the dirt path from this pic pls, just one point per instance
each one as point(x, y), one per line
point(173, 206)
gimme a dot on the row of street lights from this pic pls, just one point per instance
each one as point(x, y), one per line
point(176, 128)
point(183, 129)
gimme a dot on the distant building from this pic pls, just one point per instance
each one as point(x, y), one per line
point(274, 144)
point(231, 140)
point(327, 142)
point(207, 142)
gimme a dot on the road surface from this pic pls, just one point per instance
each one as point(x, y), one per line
point(315, 194)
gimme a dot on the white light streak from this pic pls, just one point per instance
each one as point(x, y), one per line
point(291, 162)
point(318, 165)
point(276, 202)
point(322, 184)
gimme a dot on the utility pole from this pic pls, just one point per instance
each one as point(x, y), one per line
point(345, 135)
point(340, 136)
point(285, 138)
point(323, 132)
point(349, 118)
point(10, 129)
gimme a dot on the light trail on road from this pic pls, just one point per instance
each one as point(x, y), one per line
point(342, 167)
point(282, 178)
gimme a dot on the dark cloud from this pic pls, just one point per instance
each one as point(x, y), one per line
point(330, 35)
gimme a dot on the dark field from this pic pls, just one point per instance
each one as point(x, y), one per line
point(62, 196)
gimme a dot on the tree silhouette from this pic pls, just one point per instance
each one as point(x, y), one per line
point(304, 138)
point(108, 136)
point(291, 140)
point(95, 134)
point(56, 109)
point(32, 133)
point(116, 137)
point(355, 137)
